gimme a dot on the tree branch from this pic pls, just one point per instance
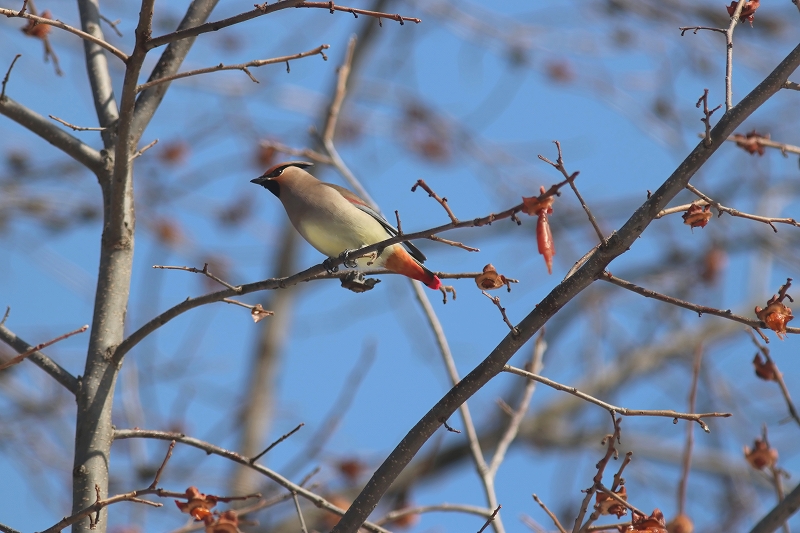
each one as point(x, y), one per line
point(243, 67)
point(55, 370)
point(75, 31)
point(72, 146)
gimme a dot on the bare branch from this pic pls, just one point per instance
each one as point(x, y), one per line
point(356, 12)
point(736, 213)
point(242, 66)
point(240, 459)
point(74, 127)
point(66, 27)
point(203, 271)
point(700, 309)
point(442, 507)
point(559, 165)
point(550, 513)
point(695, 417)
point(8, 73)
point(283, 438)
point(30, 351)
point(72, 146)
point(55, 370)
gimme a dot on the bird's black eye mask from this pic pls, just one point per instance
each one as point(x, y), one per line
point(267, 179)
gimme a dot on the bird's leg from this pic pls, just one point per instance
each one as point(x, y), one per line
point(330, 265)
point(348, 263)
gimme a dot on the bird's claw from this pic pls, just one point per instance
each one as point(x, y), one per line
point(330, 265)
point(348, 263)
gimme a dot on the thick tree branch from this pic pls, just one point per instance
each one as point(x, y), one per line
point(168, 64)
point(72, 146)
point(616, 245)
point(194, 31)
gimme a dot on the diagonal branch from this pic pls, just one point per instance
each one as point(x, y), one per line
point(55, 370)
point(70, 145)
point(75, 31)
point(170, 61)
point(565, 291)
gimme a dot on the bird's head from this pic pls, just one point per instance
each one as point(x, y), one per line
point(271, 179)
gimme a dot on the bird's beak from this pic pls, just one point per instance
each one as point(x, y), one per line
point(260, 180)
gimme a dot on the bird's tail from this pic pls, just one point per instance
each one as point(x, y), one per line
point(401, 262)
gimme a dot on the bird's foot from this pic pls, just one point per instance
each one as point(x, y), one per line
point(330, 265)
point(348, 263)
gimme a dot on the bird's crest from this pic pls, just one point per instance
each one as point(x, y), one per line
point(276, 171)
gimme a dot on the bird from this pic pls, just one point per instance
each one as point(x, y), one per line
point(334, 220)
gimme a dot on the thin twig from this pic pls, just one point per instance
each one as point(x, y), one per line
point(764, 141)
point(729, 56)
point(143, 149)
point(496, 301)
point(356, 12)
point(454, 243)
point(112, 24)
point(686, 462)
point(675, 415)
point(706, 120)
point(490, 519)
point(203, 271)
point(65, 27)
point(305, 152)
point(156, 478)
point(8, 73)
point(74, 127)
point(534, 366)
point(550, 513)
point(5, 315)
point(699, 309)
point(614, 496)
point(778, 377)
point(432, 194)
point(283, 438)
point(396, 514)
point(611, 451)
point(299, 513)
point(16, 360)
point(684, 29)
point(559, 165)
point(736, 213)
point(242, 66)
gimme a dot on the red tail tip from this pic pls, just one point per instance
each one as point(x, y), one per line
point(435, 283)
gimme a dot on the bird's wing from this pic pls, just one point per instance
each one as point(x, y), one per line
point(391, 230)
